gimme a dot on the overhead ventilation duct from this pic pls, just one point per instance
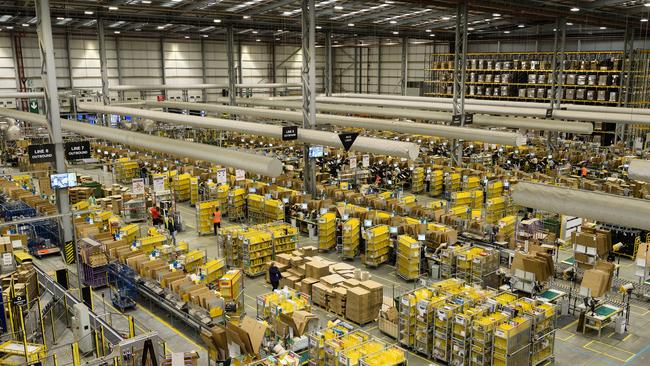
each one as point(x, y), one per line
point(607, 208)
point(599, 116)
point(469, 134)
point(253, 163)
point(503, 103)
point(201, 86)
point(400, 149)
point(639, 170)
point(479, 119)
point(13, 131)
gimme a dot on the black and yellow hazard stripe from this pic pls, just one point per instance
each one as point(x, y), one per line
point(68, 252)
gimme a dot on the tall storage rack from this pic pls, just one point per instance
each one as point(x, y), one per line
point(442, 322)
point(483, 338)
point(512, 342)
point(126, 170)
point(377, 245)
point(417, 180)
point(350, 240)
point(257, 250)
point(194, 190)
point(237, 204)
point(408, 257)
point(462, 335)
point(285, 238)
point(181, 187)
point(594, 77)
point(326, 231)
point(204, 212)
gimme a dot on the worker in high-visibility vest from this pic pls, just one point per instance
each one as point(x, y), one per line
point(216, 220)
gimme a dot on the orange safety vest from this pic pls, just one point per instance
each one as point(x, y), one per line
point(583, 171)
point(216, 217)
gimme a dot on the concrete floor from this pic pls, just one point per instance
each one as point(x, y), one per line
point(572, 348)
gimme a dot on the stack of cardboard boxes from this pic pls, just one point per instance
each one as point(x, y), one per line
point(597, 282)
point(589, 244)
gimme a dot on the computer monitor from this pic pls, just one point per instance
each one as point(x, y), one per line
point(63, 180)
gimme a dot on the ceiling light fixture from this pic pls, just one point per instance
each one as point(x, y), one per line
point(506, 32)
point(187, 37)
point(88, 12)
point(138, 29)
point(146, 2)
point(393, 22)
point(255, 32)
point(160, 27)
point(603, 27)
point(25, 25)
point(432, 35)
point(446, 18)
point(277, 39)
point(395, 32)
point(60, 18)
point(646, 4)
point(644, 19)
point(204, 35)
point(319, 27)
point(216, 20)
point(521, 26)
point(350, 24)
point(338, 7)
point(569, 23)
point(428, 30)
point(496, 14)
point(257, 40)
point(246, 17)
point(286, 13)
point(113, 8)
point(10, 27)
point(117, 32)
point(575, 8)
point(470, 28)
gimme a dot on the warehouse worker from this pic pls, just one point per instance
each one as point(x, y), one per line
point(155, 216)
point(583, 171)
point(274, 276)
point(216, 220)
point(427, 182)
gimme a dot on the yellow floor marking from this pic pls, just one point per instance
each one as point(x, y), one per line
point(163, 322)
point(570, 325)
point(567, 338)
point(586, 346)
point(626, 337)
point(615, 347)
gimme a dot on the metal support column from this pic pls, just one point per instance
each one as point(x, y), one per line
point(240, 73)
point(308, 77)
point(163, 73)
point(559, 55)
point(328, 63)
point(356, 70)
point(460, 46)
point(625, 80)
point(103, 63)
point(204, 75)
point(272, 69)
point(48, 74)
point(405, 63)
point(379, 61)
point(68, 53)
point(120, 80)
point(230, 43)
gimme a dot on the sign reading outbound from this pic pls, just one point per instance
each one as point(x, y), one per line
point(289, 133)
point(77, 150)
point(41, 153)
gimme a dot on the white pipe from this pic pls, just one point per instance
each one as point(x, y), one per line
point(503, 103)
point(479, 119)
point(364, 144)
point(469, 134)
point(639, 170)
point(253, 163)
point(611, 209)
point(28, 95)
point(201, 86)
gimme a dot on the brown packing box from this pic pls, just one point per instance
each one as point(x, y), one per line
point(176, 284)
point(283, 258)
point(300, 321)
point(350, 282)
point(607, 267)
point(317, 269)
point(332, 280)
point(309, 251)
point(596, 281)
point(306, 285)
point(319, 293)
point(642, 252)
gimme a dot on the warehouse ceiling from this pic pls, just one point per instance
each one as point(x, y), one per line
point(279, 20)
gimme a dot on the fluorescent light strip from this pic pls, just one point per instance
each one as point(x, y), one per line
point(359, 12)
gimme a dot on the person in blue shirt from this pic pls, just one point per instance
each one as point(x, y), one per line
point(274, 276)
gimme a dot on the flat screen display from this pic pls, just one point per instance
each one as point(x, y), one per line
point(64, 180)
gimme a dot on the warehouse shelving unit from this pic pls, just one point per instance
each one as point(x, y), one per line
point(408, 257)
point(204, 212)
point(257, 250)
point(350, 240)
point(327, 231)
point(377, 245)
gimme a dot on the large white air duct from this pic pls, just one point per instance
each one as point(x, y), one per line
point(504, 103)
point(200, 86)
point(639, 170)
point(479, 119)
point(253, 163)
point(607, 208)
point(400, 149)
point(600, 115)
point(468, 134)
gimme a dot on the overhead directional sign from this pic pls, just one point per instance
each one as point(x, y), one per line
point(33, 106)
point(347, 139)
point(43, 153)
point(289, 133)
point(77, 150)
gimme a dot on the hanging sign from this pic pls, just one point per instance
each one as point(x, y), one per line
point(77, 150)
point(137, 186)
point(347, 139)
point(365, 161)
point(289, 133)
point(353, 162)
point(43, 153)
point(158, 184)
point(240, 174)
point(221, 176)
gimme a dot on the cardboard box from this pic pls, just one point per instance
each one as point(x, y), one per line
point(317, 269)
point(595, 282)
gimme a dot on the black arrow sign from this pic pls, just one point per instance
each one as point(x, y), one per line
point(347, 139)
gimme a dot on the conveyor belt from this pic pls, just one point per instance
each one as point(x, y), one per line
point(50, 285)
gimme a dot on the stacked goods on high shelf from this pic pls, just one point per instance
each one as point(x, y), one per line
point(336, 346)
point(471, 182)
point(327, 231)
point(194, 190)
point(126, 170)
point(223, 191)
point(134, 210)
point(542, 321)
point(317, 339)
point(231, 287)
point(350, 240)
point(78, 194)
point(462, 333)
point(506, 228)
point(452, 181)
point(284, 238)
point(495, 208)
point(94, 262)
point(478, 265)
point(204, 211)
point(284, 301)
point(512, 342)
point(181, 186)
point(255, 207)
point(436, 184)
point(273, 210)
point(193, 260)
point(494, 189)
point(229, 239)
point(236, 202)
point(408, 257)
point(257, 251)
point(417, 180)
point(211, 271)
point(377, 245)
point(589, 244)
